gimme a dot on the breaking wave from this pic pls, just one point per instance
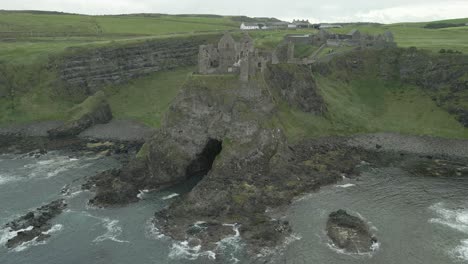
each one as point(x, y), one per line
point(456, 219)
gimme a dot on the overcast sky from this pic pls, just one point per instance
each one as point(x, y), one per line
point(384, 11)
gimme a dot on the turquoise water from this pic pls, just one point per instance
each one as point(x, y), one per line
point(417, 219)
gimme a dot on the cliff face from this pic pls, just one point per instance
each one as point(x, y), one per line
point(443, 77)
point(83, 72)
point(296, 86)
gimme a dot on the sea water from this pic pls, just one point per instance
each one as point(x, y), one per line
point(416, 219)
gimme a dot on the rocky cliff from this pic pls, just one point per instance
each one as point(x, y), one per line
point(85, 71)
point(444, 77)
point(218, 130)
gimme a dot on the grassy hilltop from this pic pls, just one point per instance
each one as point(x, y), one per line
point(29, 39)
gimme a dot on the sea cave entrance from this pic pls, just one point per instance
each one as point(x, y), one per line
point(203, 163)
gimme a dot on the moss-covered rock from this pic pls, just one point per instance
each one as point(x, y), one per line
point(94, 110)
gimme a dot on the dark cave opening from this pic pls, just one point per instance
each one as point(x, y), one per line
point(199, 167)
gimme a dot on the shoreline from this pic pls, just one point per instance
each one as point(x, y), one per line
point(116, 137)
point(410, 144)
point(134, 132)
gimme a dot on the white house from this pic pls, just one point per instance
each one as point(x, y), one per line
point(292, 26)
point(249, 26)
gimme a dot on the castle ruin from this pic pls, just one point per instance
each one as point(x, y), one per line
point(242, 58)
point(231, 57)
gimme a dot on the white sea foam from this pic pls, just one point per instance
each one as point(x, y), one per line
point(347, 185)
point(113, 231)
point(456, 219)
point(54, 229)
point(51, 167)
point(152, 231)
point(182, 250)
point(7, 234)
point(231, 244)
point(461, 251)
point(170, 196)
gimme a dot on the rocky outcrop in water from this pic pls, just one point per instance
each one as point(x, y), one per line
point(34, 225)
point(350, 233)
point(94, 110)
point(85, 71)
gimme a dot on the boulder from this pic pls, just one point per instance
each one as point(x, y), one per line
point(94, 110)
point(350, 233)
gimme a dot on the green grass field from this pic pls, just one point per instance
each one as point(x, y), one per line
point(27, 37)
point(415, 35)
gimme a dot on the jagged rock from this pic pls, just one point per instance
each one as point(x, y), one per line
point(219, 129)
point(94, 110)
point(34, 224)
point(119, 186)
point(350, 233)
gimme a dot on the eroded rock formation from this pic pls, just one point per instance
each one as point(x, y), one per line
point(222, 128)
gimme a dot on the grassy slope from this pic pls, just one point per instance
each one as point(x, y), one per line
point(147, 98)
point(370, 105)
